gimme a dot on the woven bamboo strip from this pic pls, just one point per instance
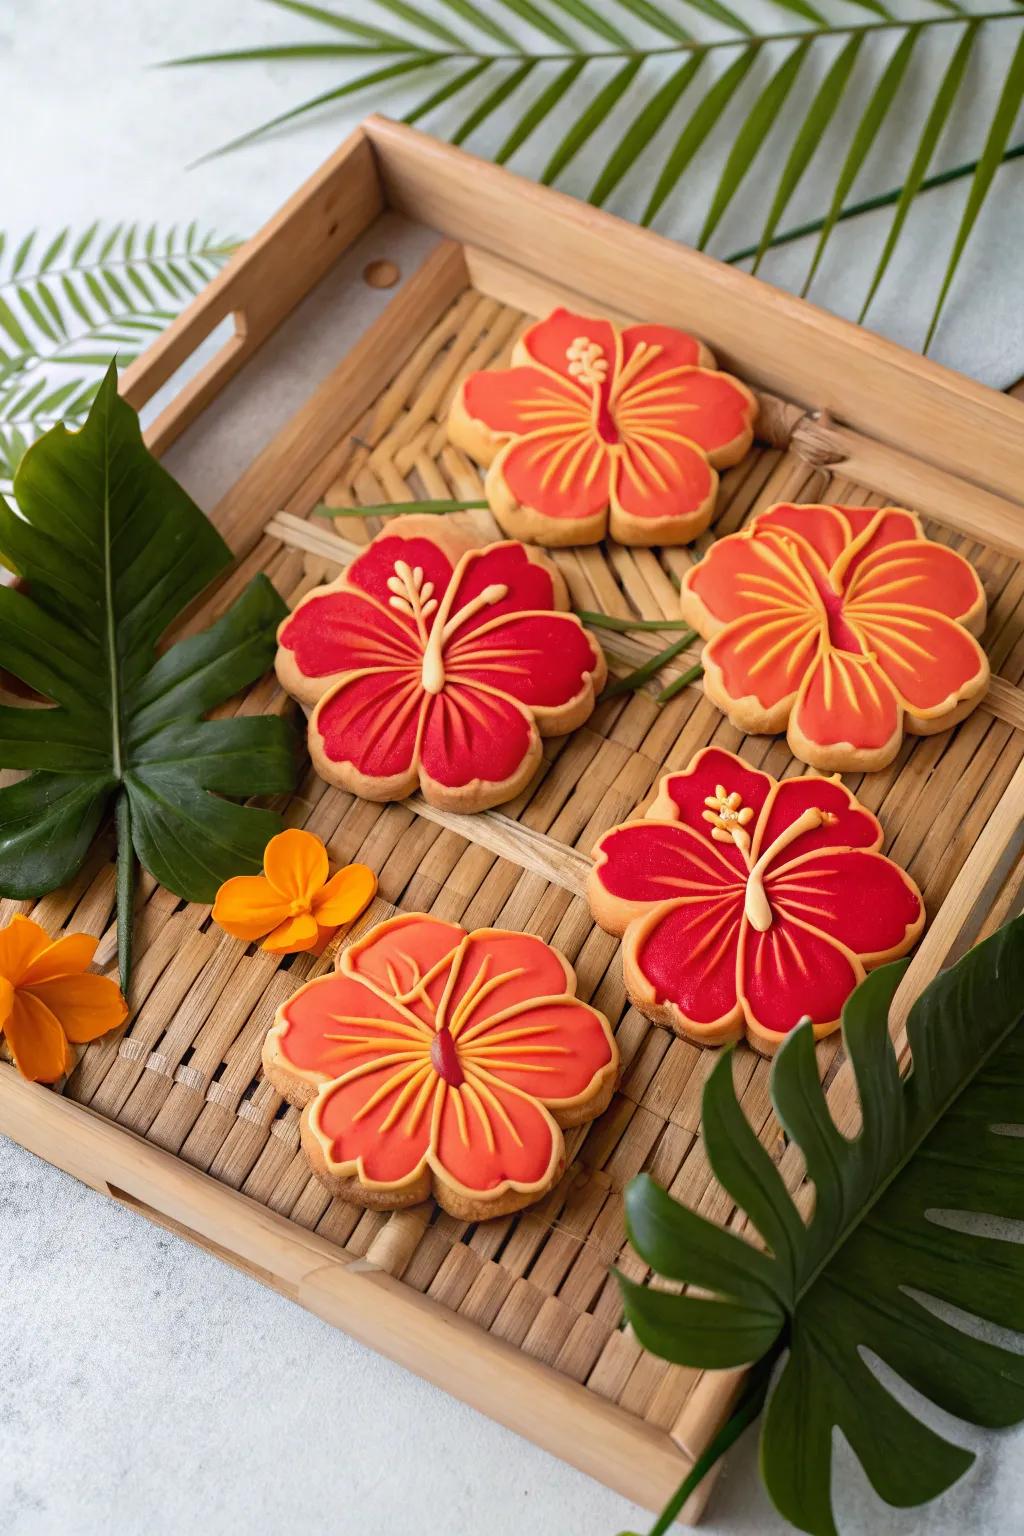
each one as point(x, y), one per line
point(186, 1075)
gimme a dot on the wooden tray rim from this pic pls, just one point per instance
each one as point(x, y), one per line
point(339, 203)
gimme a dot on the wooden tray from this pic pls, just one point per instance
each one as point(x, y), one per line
point(518, 1316)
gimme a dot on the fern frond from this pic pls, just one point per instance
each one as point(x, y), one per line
point(71, 302)
point(461, 61)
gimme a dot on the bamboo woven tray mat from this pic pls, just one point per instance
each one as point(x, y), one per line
point(186, 1074)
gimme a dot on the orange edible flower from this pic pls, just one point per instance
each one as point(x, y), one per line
point(293, 902)
point(49, 1000)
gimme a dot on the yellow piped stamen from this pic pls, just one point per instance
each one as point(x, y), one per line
point(728, 817)
point(756, 906)
point(411, 595)
point(433, 656)
point(587, 362)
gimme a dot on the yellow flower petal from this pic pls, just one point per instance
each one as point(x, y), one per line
point(295, 863)
point(20, 942)
point(345, 895)
point(85, 1006)
point(37, 1041)
point(248, 906)
point(294, 936)
point(68, 956)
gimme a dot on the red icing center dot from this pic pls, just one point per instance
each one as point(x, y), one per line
point(840, 634)
point(445, 1058)
point(606, 426)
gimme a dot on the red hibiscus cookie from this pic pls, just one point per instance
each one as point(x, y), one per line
point(434, 664)
point(436, 1061)
point(597, 430)
point(748, 903)
point(843, 626)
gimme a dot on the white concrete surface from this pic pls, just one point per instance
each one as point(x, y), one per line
point(145, 1387)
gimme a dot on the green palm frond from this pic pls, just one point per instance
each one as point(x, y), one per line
point(672, 72)
point(70, 303)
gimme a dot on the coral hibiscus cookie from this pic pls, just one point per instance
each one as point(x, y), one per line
point(436, 664)
point(436, 1061)
point(749, 903)
point(597, 430)
point(844, 624)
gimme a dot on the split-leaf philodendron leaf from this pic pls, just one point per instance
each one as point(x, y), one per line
point(111, 550)
point(864, 1272)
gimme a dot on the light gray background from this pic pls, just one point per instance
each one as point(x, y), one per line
point(145, 1387)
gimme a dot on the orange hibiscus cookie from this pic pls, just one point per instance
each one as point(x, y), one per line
point(436, 1061)
point(747, 903)
point(843, 626)
point(435, 664)
point(597, 430)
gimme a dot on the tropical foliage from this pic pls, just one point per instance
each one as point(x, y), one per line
point(876, 1264)
point(659, 76)
point(110, 550)
point(70, 303)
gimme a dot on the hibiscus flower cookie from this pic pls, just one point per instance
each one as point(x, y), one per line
point(749, 903)
point(436, 1061)
point(434, 664)
point(843, 626)
point(598, 430)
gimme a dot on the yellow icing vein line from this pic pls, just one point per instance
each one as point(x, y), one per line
point(473, 1098)
point(398, 1077)
point(481, 1080)
point(460, 1115)
point(414, 1084)
point(431, 1085)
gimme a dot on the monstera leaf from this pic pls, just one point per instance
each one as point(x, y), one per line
point(110, 550)
point(864, 1272)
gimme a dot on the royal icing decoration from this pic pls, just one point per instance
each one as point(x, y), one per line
point(748, 903)
point(844, 624)
point(597, 430)
point(437, 665)
point(440, 1061)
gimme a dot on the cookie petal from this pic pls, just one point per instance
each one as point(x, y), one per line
point(408, 957)
point(473, 736)
point(517, 401)
point(850, 825)
point(372, 723)
point(557, 1050)
point(565, 476)
point(791, 972)
point(542, 659)
point(331, 634)
point(931, 662)
point(335, 1026)
point(378, 1126)
point(684, 956)
point(660, 474)
point(709, 409)
point(490, 1138)
point(855, 896)
point(845, 702)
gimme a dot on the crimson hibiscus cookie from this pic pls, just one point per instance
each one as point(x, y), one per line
point(433, 663)
point(436, 1061)
point(597, 430)
point(843, 626)
point(748, 903)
